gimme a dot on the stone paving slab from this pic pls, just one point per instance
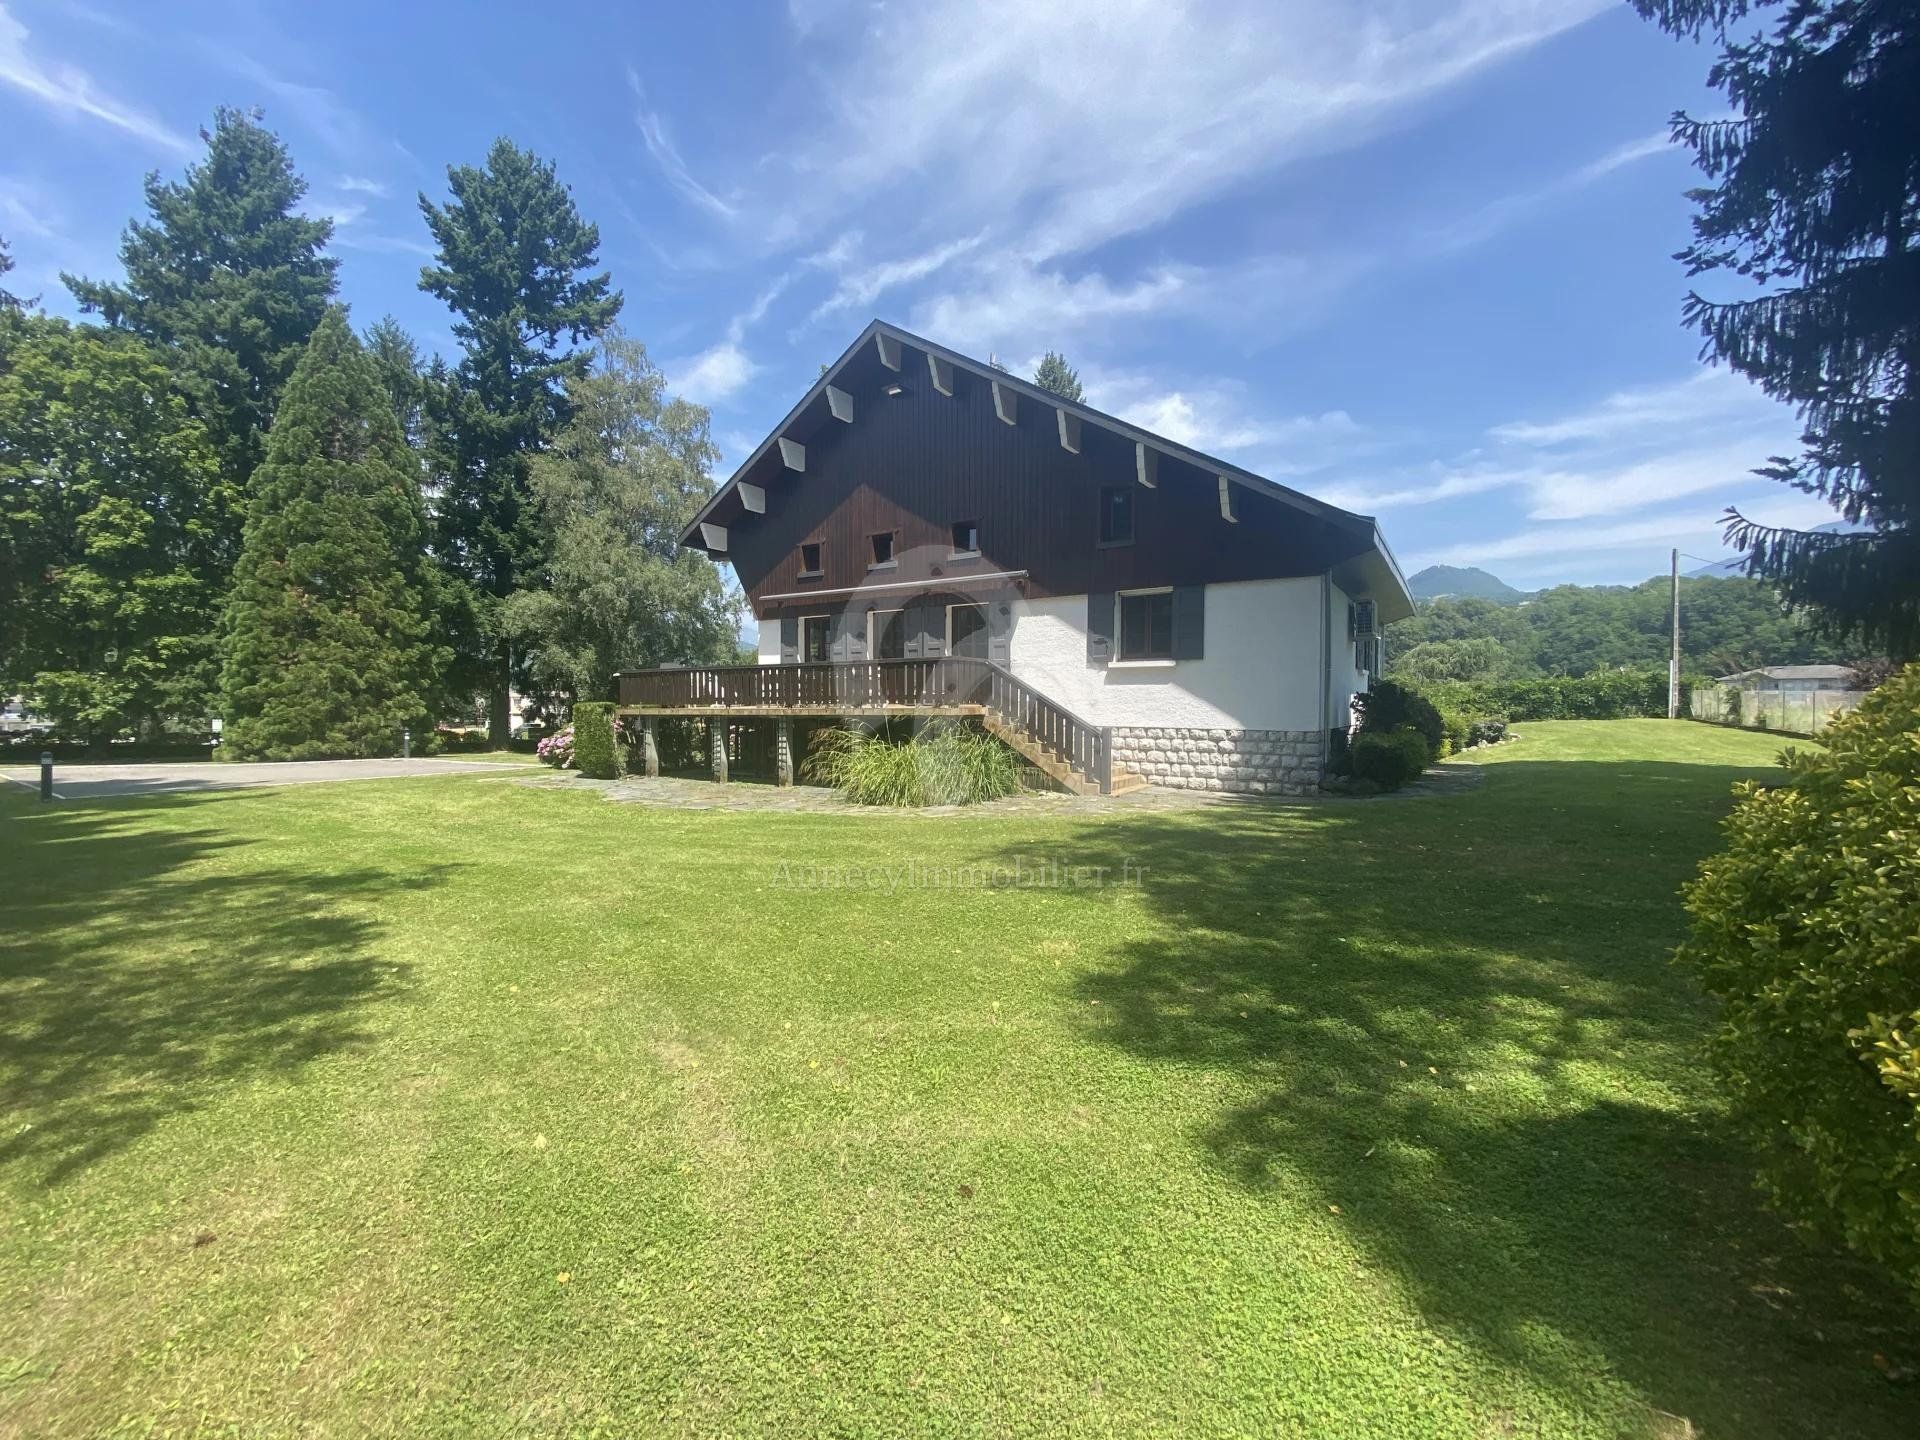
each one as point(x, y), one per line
point(87, 782)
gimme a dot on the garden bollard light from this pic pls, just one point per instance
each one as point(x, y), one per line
point(406, 744)
point(46, 776)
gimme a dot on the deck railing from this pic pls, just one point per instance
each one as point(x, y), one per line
point(946, 682)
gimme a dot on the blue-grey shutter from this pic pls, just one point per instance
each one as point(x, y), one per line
point(857, 631)
point(912, 645)
point(789, 639)
point(930, 617)
point(999, 632)
point(839, 642)
point(1189, 622)
point(1100, 627)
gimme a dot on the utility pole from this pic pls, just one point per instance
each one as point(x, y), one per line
point(1673, 665)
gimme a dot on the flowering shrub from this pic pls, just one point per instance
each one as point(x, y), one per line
point(557, 749)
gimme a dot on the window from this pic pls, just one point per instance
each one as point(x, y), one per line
point(967, 631)
point(966, 538)
point(1146, 626)
point(810, 559)
point(887, 634)
point(1116, 515)
point(882, 544)
point(813, 638)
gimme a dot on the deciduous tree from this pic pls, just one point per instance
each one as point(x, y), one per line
point(615, 490)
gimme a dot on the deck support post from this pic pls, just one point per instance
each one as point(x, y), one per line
point(783, 750)
point(717, 729)
point(650, 746)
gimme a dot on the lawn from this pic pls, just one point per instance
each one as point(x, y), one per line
point(458, 1107)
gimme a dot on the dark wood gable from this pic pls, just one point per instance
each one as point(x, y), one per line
point(911, 466)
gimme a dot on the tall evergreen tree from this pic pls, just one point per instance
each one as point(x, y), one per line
point(512, 252)
point(1061, 378)
point(329, 647)
point(615, 490)
point(230, 278)
point(1815, 196)
point(111, 508)
point(8, 300)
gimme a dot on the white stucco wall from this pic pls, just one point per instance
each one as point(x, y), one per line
point(1261, 670)
point(1348, 679)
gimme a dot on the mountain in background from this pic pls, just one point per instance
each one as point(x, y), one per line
point(1454, 582)
point(1737, 567)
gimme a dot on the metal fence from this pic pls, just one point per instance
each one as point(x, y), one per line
point(1804, 712)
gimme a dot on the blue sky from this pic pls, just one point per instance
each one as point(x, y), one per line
point(1412, 256)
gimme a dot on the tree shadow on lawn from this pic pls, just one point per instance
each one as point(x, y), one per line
point(1457, 1020)
point(136, 982)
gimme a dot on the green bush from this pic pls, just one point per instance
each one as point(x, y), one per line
point(944, 765)
point(1601, 695)
point(594, 753)
point(1807, 929)
point(1389, 761)
point(1389, 707)
point(1487, 730)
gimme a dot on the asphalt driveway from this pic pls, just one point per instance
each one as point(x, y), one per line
point(88, 782)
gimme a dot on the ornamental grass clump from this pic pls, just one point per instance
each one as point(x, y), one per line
point(944, 765)
point(1807, 930)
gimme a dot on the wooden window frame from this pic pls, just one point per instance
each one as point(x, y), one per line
point(819, 561)
point(875, 630)
point(959, 553)
point(1100, 517)
point(1120, 655)
point(826, 630)
point(892, 561)
point(986, 622)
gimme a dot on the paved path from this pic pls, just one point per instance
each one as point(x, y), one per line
point(87, 782)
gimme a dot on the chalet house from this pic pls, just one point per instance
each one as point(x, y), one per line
point(925, 534)
point(1792, 679)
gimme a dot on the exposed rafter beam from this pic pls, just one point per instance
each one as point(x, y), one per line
point(1069, 431)
point(942, 373)
point(714, 535)
point(1146, 464)
point(840, 403)
point(753, 498)
point(1004, 401)
point(793, 454)
point(1229, 501)
point(889, 350)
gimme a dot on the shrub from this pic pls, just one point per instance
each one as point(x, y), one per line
point(1807, 929)
point(1389, 707)
point(1390, 761)
point(557, 749)
point(944, 765)
point(1601, 695)
point(594, 752)
point(1487, 730)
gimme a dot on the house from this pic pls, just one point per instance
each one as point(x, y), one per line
point(925, 534)
point(1791, 679)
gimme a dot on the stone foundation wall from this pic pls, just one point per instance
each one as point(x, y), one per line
point(1240, 762)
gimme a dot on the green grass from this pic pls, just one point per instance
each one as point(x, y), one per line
point(457, 1107)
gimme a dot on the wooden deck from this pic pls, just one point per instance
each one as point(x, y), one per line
point(1072, 752)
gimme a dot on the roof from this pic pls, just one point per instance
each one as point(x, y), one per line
point(1794, 672)
point(1375, 570)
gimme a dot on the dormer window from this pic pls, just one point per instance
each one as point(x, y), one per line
point(809, 560)
point(882, 550)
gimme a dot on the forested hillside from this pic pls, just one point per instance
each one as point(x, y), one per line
point(1725, 625)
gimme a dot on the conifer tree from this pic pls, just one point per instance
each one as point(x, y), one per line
point(511, 252)
point(1813, 195)
point(1061, 378)
point(329, 647)
point(229, 277)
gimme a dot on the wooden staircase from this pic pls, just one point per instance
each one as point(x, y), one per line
point(1055, 767)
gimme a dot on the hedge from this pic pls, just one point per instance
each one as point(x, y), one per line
point(1602, 695)
point(1389, 760)
point(594, 753)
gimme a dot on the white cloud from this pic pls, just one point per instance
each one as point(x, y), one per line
point(653, 131)
point(1579, 494)
point(1011, 305)
point(860, 287)
point(26, 208)
point(69, 89)
point(1501, 213)
point(713, 375)
point(1215, 417)
point(1707, 397)
point(361, 185)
